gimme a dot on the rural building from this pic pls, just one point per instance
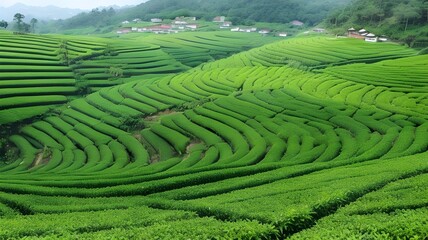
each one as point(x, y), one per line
point(282, 34)
point(370, 37)
point(137, 20)
point(184, 19)
point(124, 31)
point(134, 29)
point(219, 19)
point(179, 22)
point(352, 33)
point(297, 23)
point(235, 29)
point(244, 30)
point(264, 31)
point(363, 32)
point(125, 22)
point(226, 24)
point(164, 28)
point(192, 26)
point(382, 38)
point(248, 30)
point(319, 30)
point(156, 20)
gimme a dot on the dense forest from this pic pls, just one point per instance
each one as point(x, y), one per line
point(238, 11)
point(406, 20)
point(96, 17)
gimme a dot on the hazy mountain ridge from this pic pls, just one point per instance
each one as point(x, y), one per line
point(279, 11)
point(238, 11)
point(41, 13)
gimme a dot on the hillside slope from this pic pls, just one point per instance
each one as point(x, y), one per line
point(41, 72)
point(259, 145)
point(240, 11)
point(403, 20)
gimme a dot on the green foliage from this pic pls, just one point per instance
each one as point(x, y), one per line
point(240, 12)
point(4, 24)
point(132, 124)
point(18, 18)
point(33, 23)
point(192, 105)
point(89, 64)
point(266, 146)
point(116, 71)
point(95, 17)
point(8, 152)
point(396, 19)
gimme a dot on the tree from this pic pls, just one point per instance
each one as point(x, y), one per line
point(116, 71)
point(410, 40)
point(372, 11)
point(3, 24)
point(406, 12)
point(18, 18)
point(33, 23)
point(26, 27)
point(425, 6)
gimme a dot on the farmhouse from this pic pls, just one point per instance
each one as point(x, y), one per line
point(124, 31)
point(236, 29)
point(297, 23)
point(282, 34)
point(158, 29)
point(185, 19)
point(244, 30)
point(226, 24)
point(137, 20)
point(363, 32)
point(192, 26)
point(382, 38)
point(319, 30)
point(125, 22)
point(352, 33)
point(219, 19)
point(248, 30)
point(156, 20)
point(264, 31)
point(179, 22)
point(370, 37)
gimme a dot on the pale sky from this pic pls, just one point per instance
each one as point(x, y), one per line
point(81, 4)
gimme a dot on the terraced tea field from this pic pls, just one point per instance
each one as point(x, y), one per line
point(39, 73)
point(308, 138)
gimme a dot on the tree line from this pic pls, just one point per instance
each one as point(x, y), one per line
point(20, 25)
point(241, 11)
point(244, 12)
point(401, 19)
point(95, 18)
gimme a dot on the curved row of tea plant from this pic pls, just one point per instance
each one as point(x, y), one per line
point(403, 75)
point(314, 52)
point(194, 49)
point(276, 145)
point(41, 72)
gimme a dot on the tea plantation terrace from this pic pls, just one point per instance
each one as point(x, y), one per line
point(321, 129)
point(39, 73)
